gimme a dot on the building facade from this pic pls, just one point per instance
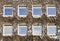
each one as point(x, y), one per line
point(29, 20)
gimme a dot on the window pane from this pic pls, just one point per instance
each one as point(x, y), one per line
point(22, 30)
point(51, 11)
point(37, 30)
point(37, 11)
point(52, 30)
point(8, 30)
point(23, 11)
point(8, 11)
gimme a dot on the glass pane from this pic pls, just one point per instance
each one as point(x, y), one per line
point(37, 30)
point(51, 11)
point(8, 11)
point(8, 30)
point(23, 11)
point(37, 11)
point(22, 30)
point(52, 30)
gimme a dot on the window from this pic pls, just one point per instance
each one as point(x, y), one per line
point(51, 11)
point(36, 12)
point(51, 30)
point(8, 11)
point(22, 30)
point(22, 11)
point(37, 30)
point(7, 30)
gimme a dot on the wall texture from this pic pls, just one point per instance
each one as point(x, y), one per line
point(29, 20)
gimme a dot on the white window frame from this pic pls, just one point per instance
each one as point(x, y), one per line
point(47, 11)
point(36, 16)
point(21, 8)
point(20, 33)
point(47, 30)
point(4, 31)
point(33, 30)
point(4, 11)
point(58, 31)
